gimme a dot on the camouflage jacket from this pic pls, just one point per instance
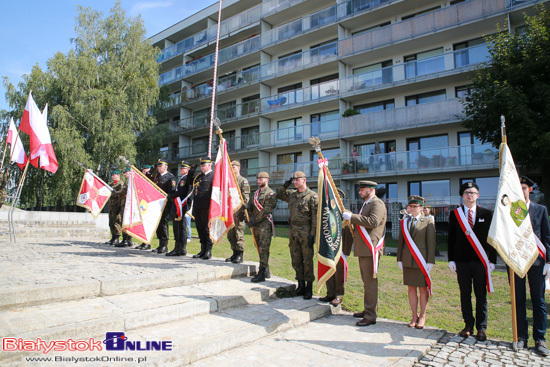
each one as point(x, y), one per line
point(302, 206)
point(268, 201)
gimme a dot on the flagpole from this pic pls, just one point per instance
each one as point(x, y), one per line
point(4, 154)
point(511, 272)
point(214, 81)
point(219, 132)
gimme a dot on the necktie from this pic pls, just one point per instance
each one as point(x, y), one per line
point(470, 218)
point(412, 224)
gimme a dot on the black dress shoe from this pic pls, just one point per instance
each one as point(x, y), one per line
point(335, 302)
point(365, 322)
point(207, 255)
point(481, 336)
point(199, 255)
point(359, 314)
point(326, 299)
point(174, 253)
point(466, 332)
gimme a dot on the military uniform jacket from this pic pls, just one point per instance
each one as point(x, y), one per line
point(167, 183)
point(460, 249)
point(303, 207)
point(541, 228)
point(373, 217)
point(182, 190)
point(203, 192)
point(244, 186)
point(268, 201)
point(116, 194)
point(424, 237)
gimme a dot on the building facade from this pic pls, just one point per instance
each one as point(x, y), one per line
point(378, 81)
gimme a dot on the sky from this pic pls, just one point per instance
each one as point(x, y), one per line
point(32, 31)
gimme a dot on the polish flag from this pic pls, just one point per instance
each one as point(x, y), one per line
point(17, 151)
point(35, 124)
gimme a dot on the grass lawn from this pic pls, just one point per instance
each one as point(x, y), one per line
point(443, 310)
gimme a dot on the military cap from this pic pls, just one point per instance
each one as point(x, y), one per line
point(147, 166)
point(341, 193)
point(299, 174)
point(415, 199)
point(236, 163)
point(467, 185)
point(527, 181)
point(127, 169)
point(262, 175)
point(370, 184)
point(162, 162)
point(185, 164)
point(115, 172)
point(205, 160)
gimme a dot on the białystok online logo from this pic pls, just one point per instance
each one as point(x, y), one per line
point(114, 341)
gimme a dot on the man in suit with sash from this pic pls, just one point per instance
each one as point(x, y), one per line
point(370, 228)
point(472, 258)
point(537, 274)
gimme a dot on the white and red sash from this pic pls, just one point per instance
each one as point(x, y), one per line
point(260, 207)
point(373, 249)
point(415, 252)
point(472, 238)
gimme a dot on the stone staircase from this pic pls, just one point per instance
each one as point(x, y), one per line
point(203, 309)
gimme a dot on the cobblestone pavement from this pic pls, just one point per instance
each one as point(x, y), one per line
point(453, 350)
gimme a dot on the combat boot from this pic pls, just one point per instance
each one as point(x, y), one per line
point(201, 253)
point(300, 291)
point(110, 242)
point(260, 277)
point(232, 257)
point(207, 254)
point(115, 241)
point(239, 258)
point(176, 251)
point(267, 272)
point(309, 290)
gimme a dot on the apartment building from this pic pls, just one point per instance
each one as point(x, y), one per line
point(378, 81)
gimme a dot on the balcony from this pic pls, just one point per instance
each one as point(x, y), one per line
point(274, 6)
point(435, 21)
point(300, 97)
point(299, 134)
point(229, 25)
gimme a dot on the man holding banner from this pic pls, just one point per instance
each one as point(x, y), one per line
point(368, 243)
point(537, 274)
point(471, 257)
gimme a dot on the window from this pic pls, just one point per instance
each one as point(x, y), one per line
point(288, 163)
point(250, 136)
point(324, 51)
point(291, 93)
point(250, 104)
point(201, 117)
point(249, 167)
point(325, 122)
point(473, 151)
point(374, 74)
point(290, 129)
point(463, 91)
point(333, 156)
point(427, 152)
point(200, 145)
point(436, 96)
point(437, 189)
point(227, 110)
point(290, 61)
point(466, 53)
point(324, 86)
point(387, 190)
point(372, 157)
point(375, 106)
point(423, 63)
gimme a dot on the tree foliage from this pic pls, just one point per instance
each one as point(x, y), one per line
point(99, 96)
point(516, 84)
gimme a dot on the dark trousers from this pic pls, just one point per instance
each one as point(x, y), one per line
point(335, 284)
point(466, 274)
point(537, 288)
point(180, 230)
point(162, 229)
point(201, 221)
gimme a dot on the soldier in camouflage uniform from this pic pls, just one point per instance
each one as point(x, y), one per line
point(236, 234)
point(261, 222)
point(115, 218)
point(302, 203)
point(3, 184)
point(126, 238)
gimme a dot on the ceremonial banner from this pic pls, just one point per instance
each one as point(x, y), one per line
point(145, 202)
point(17, 152)
point(180, 205)
point(93, 194)
point(329, 227)
point(511, 233)
point(225, 196)
point(35, 124)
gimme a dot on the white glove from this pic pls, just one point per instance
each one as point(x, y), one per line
point(346, 215)
point(491, 267)
point(546, 271)
point(429, 267)
point(400, 264)
point(452, 266)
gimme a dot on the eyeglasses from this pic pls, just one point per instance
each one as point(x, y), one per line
point(470, 193)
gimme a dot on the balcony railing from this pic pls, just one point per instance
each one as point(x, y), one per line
point(299, 134)
point(274, 6)
point(234, 23)
point(431, 22)
point(224, 84)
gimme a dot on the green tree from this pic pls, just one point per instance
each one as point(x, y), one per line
point(99, 96)
point(516, 84)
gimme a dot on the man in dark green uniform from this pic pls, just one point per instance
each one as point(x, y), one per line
point(260, 208)
point(126, 238)
point(115, 219)
point(235, 235)
point(302, 203)
point(167, 183)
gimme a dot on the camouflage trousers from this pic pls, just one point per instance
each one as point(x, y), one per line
point(235, 236)
point(115, 220)
point(262, 233)
point(301, 253)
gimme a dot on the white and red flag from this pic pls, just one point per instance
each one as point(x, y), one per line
point(225, 196)
point(35, 124)
point(17, 151)
point(93, 194)
point(145, 202)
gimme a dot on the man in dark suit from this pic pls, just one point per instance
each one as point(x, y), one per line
point(167, 183)
point(372, 217)
point(201, 207)
point(464, 260)
point(537, 274)
point(180, 225)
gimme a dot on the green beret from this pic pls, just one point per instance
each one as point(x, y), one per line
point(116, 172)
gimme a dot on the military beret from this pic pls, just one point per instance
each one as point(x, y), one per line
point(415, 199)
point(185, 164)
point(467, 185)
point(371, 184)
point(526, 181)
point(341, 193)
point(299, 174)
point(262, 175)
point(205, 160)
point(147, 166)
point(127, 169)
point(162, 162)
point(236, 163)
point(116, 172)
